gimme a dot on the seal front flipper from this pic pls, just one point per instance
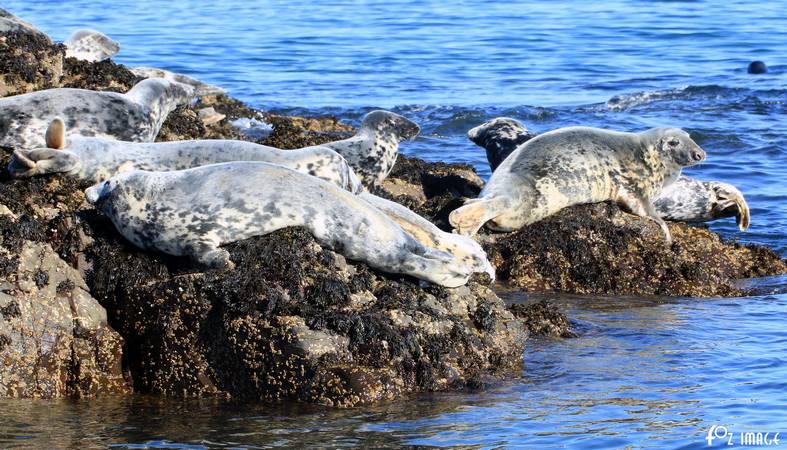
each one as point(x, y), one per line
point(641, 207)
point(214, 258)
point(468, 219)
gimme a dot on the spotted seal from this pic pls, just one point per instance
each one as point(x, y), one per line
point(134, 116)
point(90, 45)
point(373, 150)
point(686, 199)
point(576, 165)
point(464, 249)
point(201, 89)
point(166, 211)
point(691, 200)
point(96, 159)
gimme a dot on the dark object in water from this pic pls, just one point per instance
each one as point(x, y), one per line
point(757, 67)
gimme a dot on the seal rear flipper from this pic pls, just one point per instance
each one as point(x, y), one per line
point(468, 219)
point(442, 268)
point(21, 166)
point(743, 218)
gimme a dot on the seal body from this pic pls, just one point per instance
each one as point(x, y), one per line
point(576, 165)
point(691, 200)
point(90, 45)
point(201, 89)
point(195, 211)
point(135, 116)
point(686, 199)
point(96, 159)
point(373, 150)
point(757, 68)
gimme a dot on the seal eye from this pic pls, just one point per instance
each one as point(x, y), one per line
point(673, 142)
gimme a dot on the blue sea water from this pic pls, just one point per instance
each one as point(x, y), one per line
point(644, 372)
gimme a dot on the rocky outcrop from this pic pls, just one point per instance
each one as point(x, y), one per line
point(295, 320)
point(28, 59)
point(599, 249)
point(54, 337)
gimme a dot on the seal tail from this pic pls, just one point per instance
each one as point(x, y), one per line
point(468, 219)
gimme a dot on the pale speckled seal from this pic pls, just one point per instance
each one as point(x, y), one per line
point(90, 45)
point(463, 248)
point(96, 159)
point(691, 200)
point(686, 199)
point(201, 89)
point(195, 211)
point(373, 150)
point(135, 116)
point(576, 165)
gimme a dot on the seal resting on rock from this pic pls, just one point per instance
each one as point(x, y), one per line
point(96, 159)
point(686, 199)
point(135, 116)
point(373, 150)
point(90, 45)
point(576, 165)
point(201, 89)
point(195, 211)
point(691, 200)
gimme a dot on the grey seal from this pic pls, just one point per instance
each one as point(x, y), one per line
point(576, 165)
point(196, 211)
point(201, 89)
point(135, 116)
point(96, 159)
point(90, 45)
point(757, 68)
point(373, 150)
point(686, 199)
point(691, 200)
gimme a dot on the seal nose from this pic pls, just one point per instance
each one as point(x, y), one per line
point(698, 155)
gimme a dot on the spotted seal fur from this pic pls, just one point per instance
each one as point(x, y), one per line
point(135, 116)
point(691, 200)
point(90, 45)
point(686, 199)
point(196, 211)
point(201, 89)
point(373, 150)
point(96, 159)
point(576, 165)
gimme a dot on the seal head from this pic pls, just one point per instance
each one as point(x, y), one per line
point(373, 150)
point(90, 45)
point(499, 137)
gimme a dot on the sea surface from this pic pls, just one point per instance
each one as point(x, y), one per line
point(653, 373)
